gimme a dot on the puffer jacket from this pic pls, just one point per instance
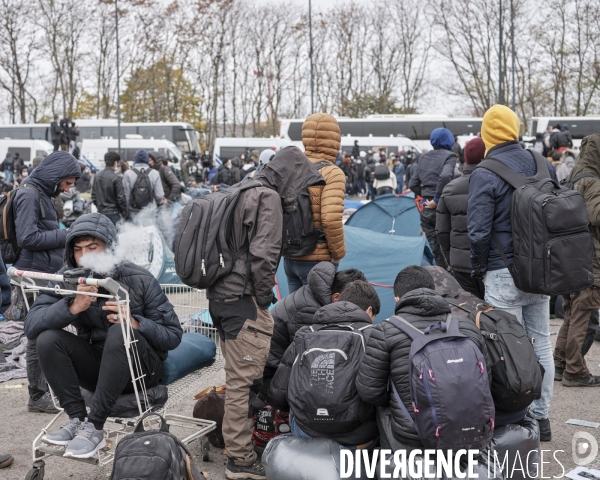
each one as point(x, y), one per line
point(321, 139)
point(298, 310)
point(489, 206)
point(38, 234)
point(339, 313)
point(588, 161)
point(148, 303)
point(388, 354)
point(451, 222)
point(432, 173)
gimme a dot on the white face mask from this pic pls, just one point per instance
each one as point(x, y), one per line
point(24, 174)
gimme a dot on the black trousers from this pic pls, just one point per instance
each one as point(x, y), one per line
point(470, 284)
point(69, 361)
point(428, 217)
point(56, 144)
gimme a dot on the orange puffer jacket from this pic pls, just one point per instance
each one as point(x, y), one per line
point(321, 138)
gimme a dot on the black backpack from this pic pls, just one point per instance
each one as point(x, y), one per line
point(553, 249)
point(142, 193)
point(202, 250)
point(8, 234)
point(300, 237)
point(516, 372)
point(321, 390)
point(382, 172)
point(449, 387)
point(153, 455)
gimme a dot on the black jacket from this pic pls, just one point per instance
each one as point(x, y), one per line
point(432, 173)
point(38, 235)
point(345, 313)
point(224, 175)
point(171, 185)
point(148, 303)
point(83, 183)
point(108, 194)
point(388, 354)
point(451, 222)
point(5, 288)
point(55, 130)
point(298, 310)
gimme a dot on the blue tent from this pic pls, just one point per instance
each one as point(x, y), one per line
point(391, 214)
point(380, 257)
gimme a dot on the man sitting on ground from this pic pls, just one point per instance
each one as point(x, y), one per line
point(298, 309)
point(358, 306)
point(95, 358)
point(388, 352)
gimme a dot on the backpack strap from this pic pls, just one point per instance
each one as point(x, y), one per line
point(320, 165)
point(579, 177)
point(42, 211)
point(404, 326)
point(511, 177)
point(400, 402)
point(136, 171)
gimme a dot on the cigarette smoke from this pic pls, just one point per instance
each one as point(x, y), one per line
point(131, 238)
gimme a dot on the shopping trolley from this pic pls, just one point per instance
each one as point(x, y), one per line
point(115, 428)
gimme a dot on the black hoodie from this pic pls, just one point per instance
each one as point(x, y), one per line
point(148, 303)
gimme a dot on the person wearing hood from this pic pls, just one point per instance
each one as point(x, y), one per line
point(387, 356)
point(356, 150)
point(42, 243)
point(579, 327)
point(236, 165)
point(431, 174)
point(488, 211)
point(96, 358)
point(298, 309)
point(171, 186)
point(239, 302)
point(451, 222)
point(140, 164)
point(357, 308)
point(321, 138)
point(563, 139)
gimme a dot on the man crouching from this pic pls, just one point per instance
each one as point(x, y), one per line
point(95, 358)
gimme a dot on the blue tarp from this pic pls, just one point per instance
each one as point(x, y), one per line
point(380, 257)
point(391, 214)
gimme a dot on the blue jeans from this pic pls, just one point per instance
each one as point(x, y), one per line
point(295, 429)
point(8, 176)
point(297, 272)
point(533, 312)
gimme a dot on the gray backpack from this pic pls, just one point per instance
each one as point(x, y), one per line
point(449, 387)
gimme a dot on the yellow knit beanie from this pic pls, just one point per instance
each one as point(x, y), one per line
point(500, 124)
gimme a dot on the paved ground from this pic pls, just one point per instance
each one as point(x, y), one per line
point(19, 428)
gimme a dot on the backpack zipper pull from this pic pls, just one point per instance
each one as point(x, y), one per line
point(480, 365)
point(203, 269)
point(421, 374)
point(221, 260)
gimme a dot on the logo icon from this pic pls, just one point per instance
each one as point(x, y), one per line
point(585, 448)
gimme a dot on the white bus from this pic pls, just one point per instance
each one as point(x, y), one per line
point(94, 149)
point(578, 126)
point(180, 133)
point(415, 127)
point(230, 147)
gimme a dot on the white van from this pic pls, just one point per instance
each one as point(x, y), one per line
point(94, 150)
point(228, 148)
point(27, 149)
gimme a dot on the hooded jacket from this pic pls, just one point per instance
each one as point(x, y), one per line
point(258, 218)
point(388, 351)
point(36, 223)
point(298, 310)
point(321, 138)
point(588, 161)
point(170, 184)
point(345, 313)
point(148, 303)
point(451, 222)
point(235, 170)
point(565, 169)
point(435, 168)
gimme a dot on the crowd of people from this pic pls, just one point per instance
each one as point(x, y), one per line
point(286, 355)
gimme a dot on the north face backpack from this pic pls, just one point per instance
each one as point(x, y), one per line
point(449, 387)
point(382, 172)
point(321, 390)
point(142, 193)
point(202, 248)
point(8, 234)
point(516, 372)
point(153, 455)
point(553, 249)
point(300, 237)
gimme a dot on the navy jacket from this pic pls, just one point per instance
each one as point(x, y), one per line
point(489, 207)
point(40, 239)
point(148, 303)
point(433, 172)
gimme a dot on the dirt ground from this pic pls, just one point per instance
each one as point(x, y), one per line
point(19, 428)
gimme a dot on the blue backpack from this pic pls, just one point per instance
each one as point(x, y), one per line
point(449, 387)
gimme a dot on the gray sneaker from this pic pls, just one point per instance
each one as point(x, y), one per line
point(44, 404)
point(86, 443)
point(65, 434)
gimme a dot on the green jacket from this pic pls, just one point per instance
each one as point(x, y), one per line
point(589, 162)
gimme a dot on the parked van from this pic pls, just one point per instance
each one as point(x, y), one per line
point(94, 149)
point(27, 149)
